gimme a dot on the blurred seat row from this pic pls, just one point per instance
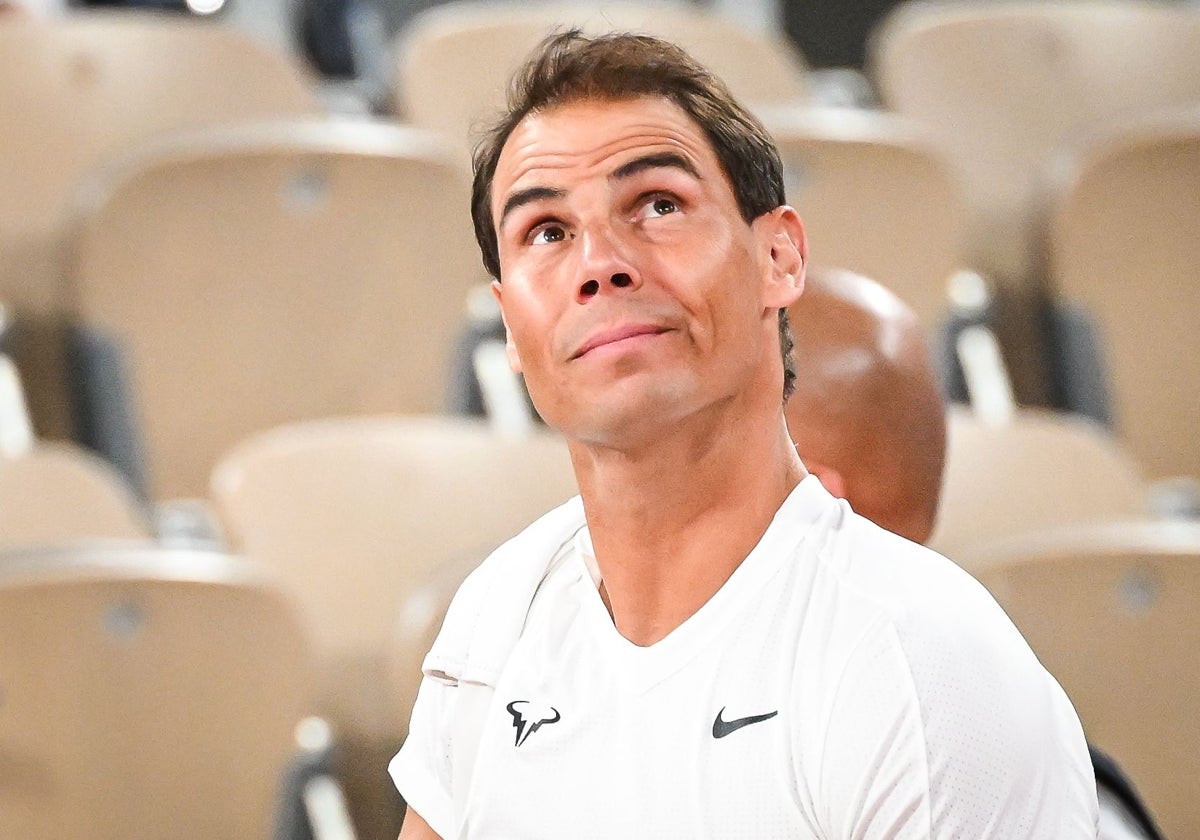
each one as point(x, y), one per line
point(362, 529)
point(235, 258)
point(205, 268)
point(144, 692)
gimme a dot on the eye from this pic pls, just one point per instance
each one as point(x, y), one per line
point(549, 233)
point(656, 206)
point(663, 206)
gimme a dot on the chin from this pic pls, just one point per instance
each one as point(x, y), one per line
point(621, 422)
point(616, 430)
point(626, 410)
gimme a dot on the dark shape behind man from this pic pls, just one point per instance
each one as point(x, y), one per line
point(867, 416)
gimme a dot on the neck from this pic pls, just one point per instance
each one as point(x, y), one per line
point(672, 520)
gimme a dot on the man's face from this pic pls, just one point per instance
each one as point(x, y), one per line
point(633, 291)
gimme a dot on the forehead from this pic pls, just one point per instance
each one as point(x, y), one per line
point(592, 137)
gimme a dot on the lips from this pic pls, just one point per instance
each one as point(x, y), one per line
point(615, 334)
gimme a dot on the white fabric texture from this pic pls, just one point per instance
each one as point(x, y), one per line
point(875, 689)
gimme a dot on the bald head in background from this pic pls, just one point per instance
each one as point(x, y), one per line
point(867, 416)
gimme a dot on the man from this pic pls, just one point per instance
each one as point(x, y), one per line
point(706, 643)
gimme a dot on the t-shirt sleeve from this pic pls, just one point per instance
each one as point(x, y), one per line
point(481, 626)
point(951, 728)
point(421, 770)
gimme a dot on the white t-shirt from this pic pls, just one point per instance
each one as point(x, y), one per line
point(843, 683)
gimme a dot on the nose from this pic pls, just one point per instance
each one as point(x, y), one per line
point(604, 267)
point(591, 288)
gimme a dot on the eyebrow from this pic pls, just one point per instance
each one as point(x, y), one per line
point(659, 160)
point(527, 196)
point(672, 160)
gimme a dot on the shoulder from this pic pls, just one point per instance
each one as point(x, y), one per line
point(488, 611)
point(988, 743)
point(938, 624)
point(850, 579)
point(914, 592)
point(522, 561)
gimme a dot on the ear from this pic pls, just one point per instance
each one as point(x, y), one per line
point(514, 360)
point(831, 479)
point(787, 257)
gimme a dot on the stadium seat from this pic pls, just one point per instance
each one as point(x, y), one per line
point(876, 198)
point(269, 273)
point(56, 494)
point(144, 693)
point(1110, 610)
point(454, 61)
point(354, 514)
point(1002, 86)
point(76, 90)
point(80, 89)
point(1124, 249)
point(1037, 471)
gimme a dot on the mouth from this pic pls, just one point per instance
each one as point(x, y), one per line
point(620, 335)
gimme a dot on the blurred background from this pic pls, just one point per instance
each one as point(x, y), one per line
point(256, 422)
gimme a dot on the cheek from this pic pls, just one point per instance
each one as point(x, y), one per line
point(722, 284)
point(529, 320)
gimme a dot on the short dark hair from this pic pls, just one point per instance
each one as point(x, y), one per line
point(569, 67)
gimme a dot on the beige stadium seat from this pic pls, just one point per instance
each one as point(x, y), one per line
point(876, 198)
point(144, 693)
point(1004, 84)
point(454, 61)
point(76, 90)
point(57, 494)
point(1110, 610)
point(1038, 471)
point(353, 515)
point(270, 273)
point(1124, 249)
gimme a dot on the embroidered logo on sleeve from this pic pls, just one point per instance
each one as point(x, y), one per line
point(722, 727)
point(529, 717)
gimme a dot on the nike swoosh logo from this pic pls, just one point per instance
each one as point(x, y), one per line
point(722, 727)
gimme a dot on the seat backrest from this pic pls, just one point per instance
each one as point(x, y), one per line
point(144, 693)
point(57, 494)
point(76, 90)
point(353, 514)
point(875, 198)
point(265, 274)
point(1038, 471)
point(454, 61)
point(1110, 610)
point(1125, 246)
point(1004, 84)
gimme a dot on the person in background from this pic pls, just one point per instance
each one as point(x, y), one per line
point(867, 416)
